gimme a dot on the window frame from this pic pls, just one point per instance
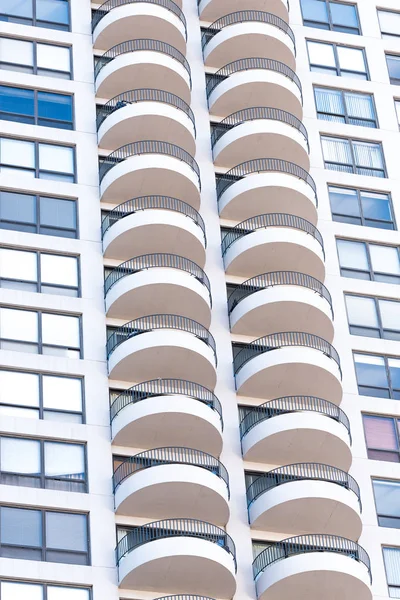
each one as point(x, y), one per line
point(380, 329)
point(35, 69)
point(390, 388)
point(355, 167)
point(45, 584)
point(372, 273)
point(393, 80)
point(381, 516)
point(384, 34)
point(338, 69)
point(34, 22)
point(345, 114)
point(397, 586)
point(331, 26)
point(359, 192)
point(396, 424)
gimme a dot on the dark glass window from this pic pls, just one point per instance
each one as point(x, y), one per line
point(360, 207)
point(363, 260)
point(333, 59)
point(387, 502)
point(382, 438)
point(327, 14)
point(341, 106)
point(53, 14)
point(378, 376)
point(373, 317)
point(393, 65)
point(353, 156)
point(39, 108)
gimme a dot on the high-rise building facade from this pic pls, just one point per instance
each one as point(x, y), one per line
point(199, 299)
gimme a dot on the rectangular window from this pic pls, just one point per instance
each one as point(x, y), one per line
point(397, 108)
point(378, 376)
point(43, 464)
point(393, 65)
point(363, 260)
point(387, 501)
point(389, 22)
point(382, 438)
point(44, 535)
point(353, 156)
point(341, 106)
point(48, 109)
point(332, 59)
point(53, 14)
point(21, 590)
point(391, 557)
point(373, 317)
point(34, 159)
point(329, 14)
point(361, 207)
point(40, 332)
point(35, 57)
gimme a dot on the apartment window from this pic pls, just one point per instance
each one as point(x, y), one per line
point(389, 22)
point(37, 159)
point(35, 57)
point(373, 317)
point(345, 107)
point(391, 557)
point(42, 464)
point(38, 214)
point(382, 438)
point(397, 108)
point(353, 156)
point(41, 396)
point(327, 14)
point(51, 536)
point(360, 207)
point(39, 272)
point(362, 260)
point(53, 14)
point(36, 107)
point(40, 332)
point(378, 376)
point(387, 501)
point(393, 65)
point(332, 59)
point(21, 590)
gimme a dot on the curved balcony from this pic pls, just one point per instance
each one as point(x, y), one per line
point(159, 283)
point(288, 363)
point(116, 21)
point(248, 33)
point(311, 567)
point(162, 346)
point(149, 63)
point(244, 135)
point(154, 167)
point(163, 412)
point(265, 185)
point(210, 10)
point(281, 299)
point(146, 114)
point(234, 87)
point(154, 224)
point(302, 428)
point(274, 242)
point(177, 555)
point(306, 497)
point(172, 482)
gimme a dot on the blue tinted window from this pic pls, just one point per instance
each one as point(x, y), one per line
point(344, 14)
point(52, 11)
point(327, 14)
point(13, 8)
point(53, 14)
point(17, 104)
point(54, 110)
point(39, 108)
point(315, 10)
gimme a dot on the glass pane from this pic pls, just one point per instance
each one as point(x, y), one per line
point(390, 314)
point(392, 564)
point(321, 54)
point(17, 264)
point(16, 8)
point(362, 311)
point(62, 393)
point(60, 330)
point(17, 52)
point(54, 11)
point(314, 10)
point(19, 388)
point(65, 593)
point(360, 106)
point(380, 433)
point(56, 58)
point(20, 526)
point(56, 158)
point(370, 370)
point(343, 14)
point(385, 259)
point(394, 369)
point(352, 255)
point(351, 59)
point(368, 154)
point(17, 153)
point(329, 101)
point(17, 207)
point(17, 101)
point(66, 531)
point(20, 456)
point(344, 202)
point(376, 206)
point(13, 590)
point(389, 22)
point(387, 498)
point(18, 325)
point(59, 270)
point(57, 213)
point(397, 107)
point(393, 64)
point(64, 460)
point(54, 106)
point(336, 150)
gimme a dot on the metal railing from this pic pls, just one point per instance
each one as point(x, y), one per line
point(167, 456)
point(174, 528)
point(157, 322)
point(245, 64)
point(269, 220)
point(152, 203)
point(263, 165)
point(140, 45)
point(147, 147)
point(303, 544)
point(301, 472)
point(285, 339)
point(292, 404)
point(108, 5)
point(267, 280)
point(156, 260)
point(256, 113)
point(245, 16)
point(165, 387)
point(142, 95)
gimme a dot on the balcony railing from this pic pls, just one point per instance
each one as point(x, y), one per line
point(269, 220)
point(140, 45)
point(108, 5)
point(159, 322)
point(147, 147)
point(245, 64)
point(174, 528)
point(256, 113)
point(152, 203)
point(159, 260)
point(276, 341)
point(263, 165)
point(292, 404)
point(168, 456)
point(142, 95)
point(304, 544)
point(301, 472)
point(245, 16)
point(267, 280)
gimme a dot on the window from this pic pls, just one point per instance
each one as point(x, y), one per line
point(362, 260)
point(43, 464)
point(39, 272)
point(345, 107)
point(327, 14)
point(44, 535)
point(41, 396)
point(40, 332)
point(38, 214)
point(378, 376)
point(21, 590)
point(389, 22)
point(35, 107)
point(382, 438)
point(53, 14)
point(360, 207)
point(373, 317)
point(333, 59)
point(387, 501)
point(391, 557)
point(397, 108)
point(35, 57)
point(393, 65)
point(353, 156)
point(37, 159)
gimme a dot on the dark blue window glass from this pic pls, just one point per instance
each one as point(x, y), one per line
point(39, 108)
point(17, 104)
point(16, 10)
point(371, 209)
point(54, 110)
point(53, 14)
